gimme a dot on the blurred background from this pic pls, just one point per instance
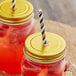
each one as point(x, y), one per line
point(58, 10)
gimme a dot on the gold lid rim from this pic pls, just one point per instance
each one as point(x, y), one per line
point(44, 60)
point(19, 21)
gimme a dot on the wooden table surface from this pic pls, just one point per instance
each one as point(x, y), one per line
point(67, 32)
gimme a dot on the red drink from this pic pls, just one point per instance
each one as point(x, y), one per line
point(44, 60)
point(13, 32)
point(43, 69)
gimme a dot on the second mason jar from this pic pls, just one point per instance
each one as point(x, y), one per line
point(15, 26)
point(39, 60)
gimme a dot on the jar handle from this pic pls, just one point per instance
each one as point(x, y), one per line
point(71, 71)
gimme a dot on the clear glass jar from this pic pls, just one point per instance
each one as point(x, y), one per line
point(49, 60)
point(30, 67)
point(13, 32)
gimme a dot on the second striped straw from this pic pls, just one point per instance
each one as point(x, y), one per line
point(44, 40)
point(13, 4)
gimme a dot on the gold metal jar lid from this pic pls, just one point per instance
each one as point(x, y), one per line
point(53, 52)
point(22, 13)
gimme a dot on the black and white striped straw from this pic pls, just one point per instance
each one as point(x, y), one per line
point(13, 4)
point(44, 40)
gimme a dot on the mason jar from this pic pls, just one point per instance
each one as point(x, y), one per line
point(49, 60)
point(15, 26)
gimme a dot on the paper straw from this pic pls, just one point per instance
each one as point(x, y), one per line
point(42, 27)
